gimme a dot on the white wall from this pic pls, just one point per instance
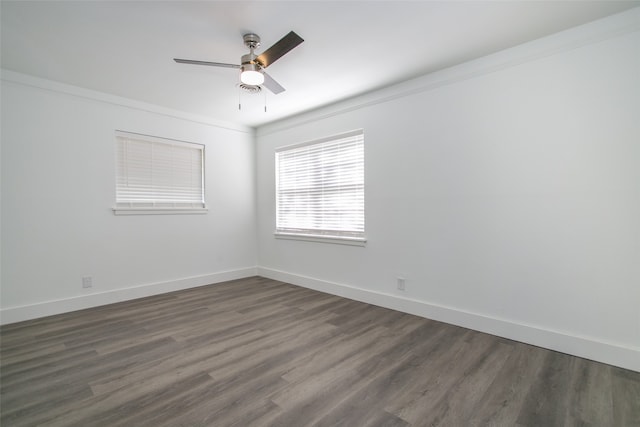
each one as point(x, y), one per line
point(58, 188)
point(506, 191)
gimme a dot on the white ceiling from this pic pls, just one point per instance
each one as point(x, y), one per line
point(126, 48)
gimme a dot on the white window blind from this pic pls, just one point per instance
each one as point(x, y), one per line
point(320, 188)
point(158, 173)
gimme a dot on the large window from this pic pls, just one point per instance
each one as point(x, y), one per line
point(158, 175)
point(320, 189)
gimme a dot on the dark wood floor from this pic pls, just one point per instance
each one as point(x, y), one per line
point(256, 352)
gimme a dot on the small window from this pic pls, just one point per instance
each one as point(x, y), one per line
point(158, 175)
point(320, 190)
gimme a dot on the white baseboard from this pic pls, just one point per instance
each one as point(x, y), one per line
point(49, 308)
point(586, 347)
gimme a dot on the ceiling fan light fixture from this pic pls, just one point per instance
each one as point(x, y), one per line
point(251, 75)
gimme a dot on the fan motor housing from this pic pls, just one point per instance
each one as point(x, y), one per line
point(249, 58)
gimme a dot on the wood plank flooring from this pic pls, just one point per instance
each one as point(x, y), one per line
point(257, 352)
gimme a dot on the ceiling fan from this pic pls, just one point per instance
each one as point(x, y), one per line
point(252, 66)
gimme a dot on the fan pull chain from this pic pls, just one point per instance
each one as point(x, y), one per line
point(239, 101)
point(265, 101)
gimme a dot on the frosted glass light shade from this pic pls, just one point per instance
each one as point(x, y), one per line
point(251, 77)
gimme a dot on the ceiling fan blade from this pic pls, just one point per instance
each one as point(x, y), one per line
point(279, 49)
point(271, 84)
point(213, 64)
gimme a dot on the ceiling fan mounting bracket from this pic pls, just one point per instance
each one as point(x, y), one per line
point(252, 41)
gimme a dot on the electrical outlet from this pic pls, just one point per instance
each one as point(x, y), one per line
point(400, 283)
point(87, 282)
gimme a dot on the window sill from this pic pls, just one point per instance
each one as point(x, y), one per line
point(159, 211)
point(350, 241)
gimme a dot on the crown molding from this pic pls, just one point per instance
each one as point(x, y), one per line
point(53, 86)
point(603, 29)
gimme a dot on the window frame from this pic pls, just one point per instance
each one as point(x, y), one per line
point(158, 207)
point(344, 237)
